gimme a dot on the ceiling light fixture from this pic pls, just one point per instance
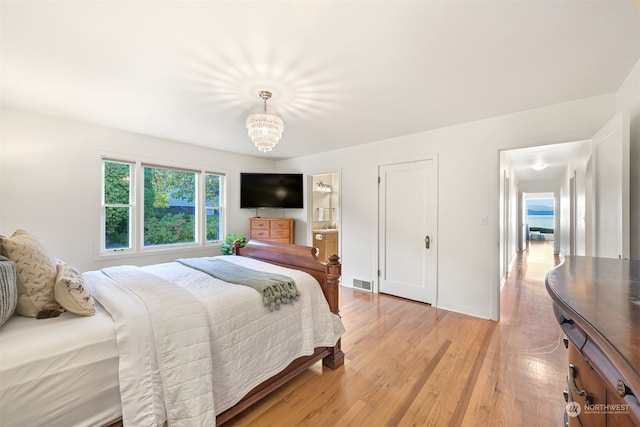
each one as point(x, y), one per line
point(539, 166)
point(265, 130)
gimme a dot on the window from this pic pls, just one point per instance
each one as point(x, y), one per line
point(118, 206)
point(169, 206)
point(177, 207)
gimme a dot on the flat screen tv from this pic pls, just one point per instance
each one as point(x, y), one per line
point(271, 190)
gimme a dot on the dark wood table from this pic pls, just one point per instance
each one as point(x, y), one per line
point(597, 304)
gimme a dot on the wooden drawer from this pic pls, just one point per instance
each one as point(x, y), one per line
point(587, 390)
point(260, 224)
point(260, 234)
point(279, 233)
point(280, 224)
point(575, 334)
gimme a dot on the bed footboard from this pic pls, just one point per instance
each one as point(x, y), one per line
point(303, 258)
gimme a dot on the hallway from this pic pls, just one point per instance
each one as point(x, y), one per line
point(408, 363)
point(526, 373)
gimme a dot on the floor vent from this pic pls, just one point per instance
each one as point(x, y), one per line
point(362, 284)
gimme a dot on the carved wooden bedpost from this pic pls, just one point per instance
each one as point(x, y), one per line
point(334, 270)
point(237, 244)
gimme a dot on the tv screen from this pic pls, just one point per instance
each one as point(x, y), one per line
point(271, 190)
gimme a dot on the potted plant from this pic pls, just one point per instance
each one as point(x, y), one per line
point(227, 247)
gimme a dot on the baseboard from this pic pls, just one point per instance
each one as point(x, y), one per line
point(469, 311)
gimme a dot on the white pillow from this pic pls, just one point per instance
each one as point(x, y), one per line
point(71, 291)
point(36, 274)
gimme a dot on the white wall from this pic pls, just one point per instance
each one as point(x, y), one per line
point(50, 181)
point(628, 98)
point(468, 190)
point(578, 165)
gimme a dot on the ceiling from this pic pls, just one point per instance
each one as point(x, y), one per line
point(553, 160)
point(342, 73)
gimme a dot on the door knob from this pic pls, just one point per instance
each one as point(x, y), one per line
point(427, 241)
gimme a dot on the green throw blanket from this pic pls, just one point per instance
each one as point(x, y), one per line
point(275, 289)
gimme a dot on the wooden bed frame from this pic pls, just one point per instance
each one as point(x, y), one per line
point(328, 275)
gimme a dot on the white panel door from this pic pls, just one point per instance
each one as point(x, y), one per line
point(407, 215)
point(611, 180)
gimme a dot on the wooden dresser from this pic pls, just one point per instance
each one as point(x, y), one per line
point(272, 229)
point(597, 304)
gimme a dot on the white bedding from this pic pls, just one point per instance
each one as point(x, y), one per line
point(248, 343)
point(67, 359)
point(85, 364)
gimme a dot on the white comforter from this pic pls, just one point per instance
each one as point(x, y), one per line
point(191, 345)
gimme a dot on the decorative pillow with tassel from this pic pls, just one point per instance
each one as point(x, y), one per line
point(72, 292)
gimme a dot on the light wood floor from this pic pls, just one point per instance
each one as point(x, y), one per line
point(409, 364)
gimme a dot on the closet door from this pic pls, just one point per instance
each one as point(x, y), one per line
point(407, 215)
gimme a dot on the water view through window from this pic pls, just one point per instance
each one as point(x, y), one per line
point(540, 215)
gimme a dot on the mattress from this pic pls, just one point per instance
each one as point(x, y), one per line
point(90, 371)
point(69, 359)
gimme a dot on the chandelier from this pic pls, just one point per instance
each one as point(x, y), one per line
point(265, 130)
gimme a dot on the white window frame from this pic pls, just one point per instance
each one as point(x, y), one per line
point(198, 198)
point(136, 220)
point(221, 208)
point(132, 209)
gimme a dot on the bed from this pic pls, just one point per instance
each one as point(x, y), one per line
point(180, 347)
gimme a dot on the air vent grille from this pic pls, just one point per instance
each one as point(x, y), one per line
point(362, 284)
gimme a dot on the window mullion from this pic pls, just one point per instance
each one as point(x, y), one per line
point(204, 209)
point(138, 208)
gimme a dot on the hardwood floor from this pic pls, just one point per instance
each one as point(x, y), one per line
point(408, 364)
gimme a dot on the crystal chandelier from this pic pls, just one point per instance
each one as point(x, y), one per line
point(265, 130)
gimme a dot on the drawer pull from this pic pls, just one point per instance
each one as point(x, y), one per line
point(562, 320)
point(573, 372)
point(622, 388)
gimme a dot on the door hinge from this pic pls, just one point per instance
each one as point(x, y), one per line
point(378, 180)
point(378, 273)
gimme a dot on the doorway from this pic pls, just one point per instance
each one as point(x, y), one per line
point(325, 221)
point(540, 216)
point(590, 181)
point(407, 230)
